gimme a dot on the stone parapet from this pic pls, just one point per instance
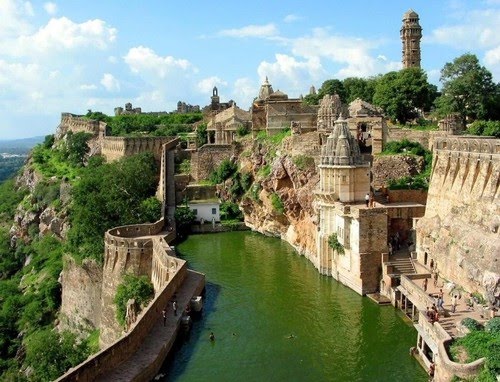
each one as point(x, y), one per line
point(446, 369)
point(119, 351)
point(114, 148)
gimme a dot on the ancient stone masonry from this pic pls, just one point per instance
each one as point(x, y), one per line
point(460, 229)
point(452, 124)
point(273, 111)
point(77, 123)
point(344, 182)
point(208, 158)
point(411, 34)
point(224, 125)
point(128, 110)
point(114, 148)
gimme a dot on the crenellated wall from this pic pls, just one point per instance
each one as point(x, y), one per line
point(78, 123)
point(127, 250)
point(114, 148)
point(168, 273)
point(460, 228)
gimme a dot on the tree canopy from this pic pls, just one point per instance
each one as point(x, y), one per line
point(402, 94)
point(468, 89)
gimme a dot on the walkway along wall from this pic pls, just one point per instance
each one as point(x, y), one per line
point(128, 248)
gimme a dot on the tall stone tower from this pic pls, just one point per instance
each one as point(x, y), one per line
point(411, 34)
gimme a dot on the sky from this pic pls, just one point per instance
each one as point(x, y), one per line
point(73, 55)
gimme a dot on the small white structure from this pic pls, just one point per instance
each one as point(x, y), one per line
point(208, 210)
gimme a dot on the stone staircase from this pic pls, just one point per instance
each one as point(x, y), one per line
point(401, 265)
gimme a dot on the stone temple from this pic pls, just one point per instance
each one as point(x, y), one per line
point(411, 34)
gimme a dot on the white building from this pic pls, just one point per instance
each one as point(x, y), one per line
point(208, 210)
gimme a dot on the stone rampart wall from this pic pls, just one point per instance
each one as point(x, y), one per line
point(424, 137)
point(208, 158)
point(124, 347)
point(77, 123)
point(460, 228)
point(114, 148)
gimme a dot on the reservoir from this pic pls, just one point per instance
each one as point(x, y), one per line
point(275, 318)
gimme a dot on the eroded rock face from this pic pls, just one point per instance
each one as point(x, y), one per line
point(296, 220)
point(81, 295)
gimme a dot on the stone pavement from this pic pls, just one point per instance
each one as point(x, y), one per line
point(158, 343)
point(449, 320)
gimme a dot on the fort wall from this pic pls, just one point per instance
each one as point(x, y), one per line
point(424, 137)
point(460, 228)
point(121, 349)
point(208, 158)
point(114, 148)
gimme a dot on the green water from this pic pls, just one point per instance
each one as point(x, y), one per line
point(261, 290)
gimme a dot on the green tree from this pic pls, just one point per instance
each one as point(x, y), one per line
point(401, 94)
point(201, 135)
point(77, 147)
point(468, 89)
point(138, 288)
point(362, 88)
point(108, 196)
point(184, 217)
point(332, 87)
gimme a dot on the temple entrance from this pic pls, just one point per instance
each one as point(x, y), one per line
point(364, 136)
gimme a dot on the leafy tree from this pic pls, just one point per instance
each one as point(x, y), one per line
point(184, 217)
point(108, 196)
point(138, 288)
point(486, 128)
point(150, 209)
point(401, 94)
point(225, 170)
point(468, 89)
point(230, 211)
point(76, 147)
point(332, 87)
point(362, 88)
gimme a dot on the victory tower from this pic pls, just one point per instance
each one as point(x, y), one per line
point(411, 34)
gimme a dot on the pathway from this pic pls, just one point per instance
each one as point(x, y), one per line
point(160, 339)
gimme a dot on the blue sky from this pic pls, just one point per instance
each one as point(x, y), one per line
point(77, 55)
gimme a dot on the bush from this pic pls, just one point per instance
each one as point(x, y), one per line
point(138, 288)
point(493, 325)
point(303, 162)
point(241, 131)
point(277, 203)
point(184, 217)
point(471, 324)
point(485, 128)
point(225, 171)
point(150, 210)
point(230, 211)
point(334, 244)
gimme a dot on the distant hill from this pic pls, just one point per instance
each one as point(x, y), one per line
point(16, 144)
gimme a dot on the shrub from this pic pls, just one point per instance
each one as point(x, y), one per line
point(471, 324)
point(241, 131)
point(303, 162)
point(150, 210)
point(138, 288)
point(277, 203)
point(230, 211)
point(184, 217)
point(225, 170)
point(493, 325)
point(334, 244)
point(485, 128)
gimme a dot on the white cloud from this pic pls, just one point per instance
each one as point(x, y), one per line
point(245, 90)
point(144, 60)
point(267, 30)
point(290, 74)
point(14, 15)
point(206, 85)
point(477, 29)
point(63, 34)
point(87, 87)
point(354, 54)
point(50, 8)
point(110, 83)
point(291, 18)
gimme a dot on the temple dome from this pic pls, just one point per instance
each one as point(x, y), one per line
point(341, 148)
point(265, 90)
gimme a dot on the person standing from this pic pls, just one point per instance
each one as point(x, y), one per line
point(174, 307)
point(440, 300)
point(164, 314)
point(367, 199)
point(424, 286)
point(454, 302)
